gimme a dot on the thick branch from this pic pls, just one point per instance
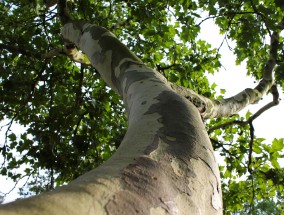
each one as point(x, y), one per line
point(271, 104)
point(231, 106)
point(210, 108)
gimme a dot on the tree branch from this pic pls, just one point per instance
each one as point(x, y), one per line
point(230, 106)
point(275, 102)
point(71, 51)
point(250, 147)
point(210, 108)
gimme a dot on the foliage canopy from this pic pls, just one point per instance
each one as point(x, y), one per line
point(73, 121)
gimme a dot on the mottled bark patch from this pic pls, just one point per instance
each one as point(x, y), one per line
point(146, 186)
point(153, 146)
point(179, 127)
point(134, 75)
point(96, 31)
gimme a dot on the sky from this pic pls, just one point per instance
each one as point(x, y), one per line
point(230, 77)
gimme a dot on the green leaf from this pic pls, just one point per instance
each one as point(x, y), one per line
point(4, 171)
point(257, 149)
point(222, 91)
point(277, 144)
point(227, 174)
point(275, 164)
point(12, 137)
point(213, 86)
point(248, 114)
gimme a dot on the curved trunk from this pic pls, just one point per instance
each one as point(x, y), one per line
point(165, 163)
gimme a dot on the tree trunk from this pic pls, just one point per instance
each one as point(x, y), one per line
point(165, 163)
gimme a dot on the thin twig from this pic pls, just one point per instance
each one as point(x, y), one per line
point(250, 147)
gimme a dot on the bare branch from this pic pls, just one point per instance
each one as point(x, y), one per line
point(275, 102)
point(71, 51)
point(203, 20)
point(210, 108)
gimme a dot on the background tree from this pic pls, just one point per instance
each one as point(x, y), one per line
point(74, 122)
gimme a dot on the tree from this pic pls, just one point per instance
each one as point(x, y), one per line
point(263, 207)
point(165, 162)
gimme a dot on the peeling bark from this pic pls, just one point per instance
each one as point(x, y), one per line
point(165, 163)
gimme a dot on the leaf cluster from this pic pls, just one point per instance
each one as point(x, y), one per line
point(249, 179)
